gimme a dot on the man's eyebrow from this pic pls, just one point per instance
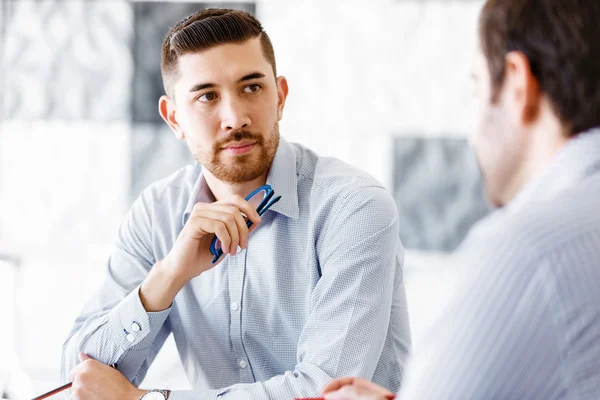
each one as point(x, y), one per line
point(201, 86)
point(254, 75)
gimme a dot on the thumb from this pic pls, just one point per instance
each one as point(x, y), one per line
point(83, 357)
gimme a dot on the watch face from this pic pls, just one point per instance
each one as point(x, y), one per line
point(154, 396)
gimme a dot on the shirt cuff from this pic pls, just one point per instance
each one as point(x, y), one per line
point(132, 326)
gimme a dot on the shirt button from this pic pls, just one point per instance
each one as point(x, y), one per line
point(235, 306)
point(243, 364)
point(130, 338)
point(135, 327)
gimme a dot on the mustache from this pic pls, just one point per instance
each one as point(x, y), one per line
point(237, 137)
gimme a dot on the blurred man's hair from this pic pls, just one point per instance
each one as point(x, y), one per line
point(206, 29)
point(561, 39)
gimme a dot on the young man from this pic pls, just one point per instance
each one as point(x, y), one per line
point(313, 290)
point(524, 321)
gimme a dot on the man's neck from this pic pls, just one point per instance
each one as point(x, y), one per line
point(222, 190)
point(545, 140)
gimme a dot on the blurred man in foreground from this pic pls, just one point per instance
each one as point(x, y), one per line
point(524, 320)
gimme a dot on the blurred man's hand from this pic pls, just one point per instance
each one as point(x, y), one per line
point(355, 389)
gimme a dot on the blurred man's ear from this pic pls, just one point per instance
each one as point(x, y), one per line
point(168, 112)
point(522, 87)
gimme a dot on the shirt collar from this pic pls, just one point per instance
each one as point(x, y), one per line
point(282, 177)
point(577, 160)
point(200, 193)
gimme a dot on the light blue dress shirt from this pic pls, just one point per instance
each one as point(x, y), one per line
point(523, 319)
point(318, 294)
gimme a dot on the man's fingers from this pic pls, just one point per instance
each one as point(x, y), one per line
point(85, 359)
point(336, 384)
point(363, 384)
point(228, 221)
point(230, 216)
point(220, 230)
point(347, 392)
point(243, 206)
point(240, 223)
point(350, 388)
point(230, 213)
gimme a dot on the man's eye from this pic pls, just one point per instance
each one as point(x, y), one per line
point(210, 96)
point(252, 88)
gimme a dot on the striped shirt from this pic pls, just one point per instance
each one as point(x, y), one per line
point(523, 319)
point(319, 292)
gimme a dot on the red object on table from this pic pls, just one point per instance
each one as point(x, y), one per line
point(60, 389)
point(53, 392)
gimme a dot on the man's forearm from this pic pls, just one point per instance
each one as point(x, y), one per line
point(159, 289)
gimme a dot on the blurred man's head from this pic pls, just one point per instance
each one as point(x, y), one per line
point(537, 73)
point(223, 94)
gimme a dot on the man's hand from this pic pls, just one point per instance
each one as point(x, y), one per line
point(354, 389)
point(190, 255)
point(93, 380)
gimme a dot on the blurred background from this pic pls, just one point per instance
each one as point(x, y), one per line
point(381, 84)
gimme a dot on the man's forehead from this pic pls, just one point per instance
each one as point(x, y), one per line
point(228, 61)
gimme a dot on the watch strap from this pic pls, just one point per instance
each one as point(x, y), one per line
point(164, 392)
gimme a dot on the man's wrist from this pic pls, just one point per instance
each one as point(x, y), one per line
point(137, 394)
point(159, 289)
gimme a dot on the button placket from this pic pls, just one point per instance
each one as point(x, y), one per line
point(237, 278)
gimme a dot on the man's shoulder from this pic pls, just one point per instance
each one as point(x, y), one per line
point(332, 175)
point(177, 186)
point(540, 228)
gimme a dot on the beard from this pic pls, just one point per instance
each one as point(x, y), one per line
point(242, 168)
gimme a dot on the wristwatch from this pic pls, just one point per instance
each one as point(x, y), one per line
point(156, 394)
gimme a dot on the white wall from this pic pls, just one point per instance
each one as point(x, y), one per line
point(361, 70)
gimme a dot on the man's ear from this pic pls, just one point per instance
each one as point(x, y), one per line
point(522, 86)
point(168, 112)
point(282, 92)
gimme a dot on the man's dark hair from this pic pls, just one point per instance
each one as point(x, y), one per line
point(561, 40)
point(206, 29)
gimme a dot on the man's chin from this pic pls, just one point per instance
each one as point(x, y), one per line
point(239, 173)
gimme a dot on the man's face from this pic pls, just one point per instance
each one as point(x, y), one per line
point(228, 107)
point(496, 140)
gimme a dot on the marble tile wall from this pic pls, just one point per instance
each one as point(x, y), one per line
point(68, 60)
point(438, 191)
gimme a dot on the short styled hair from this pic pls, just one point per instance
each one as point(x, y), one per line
point(206, 29)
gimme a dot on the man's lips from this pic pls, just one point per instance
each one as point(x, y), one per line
point(239, 148)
